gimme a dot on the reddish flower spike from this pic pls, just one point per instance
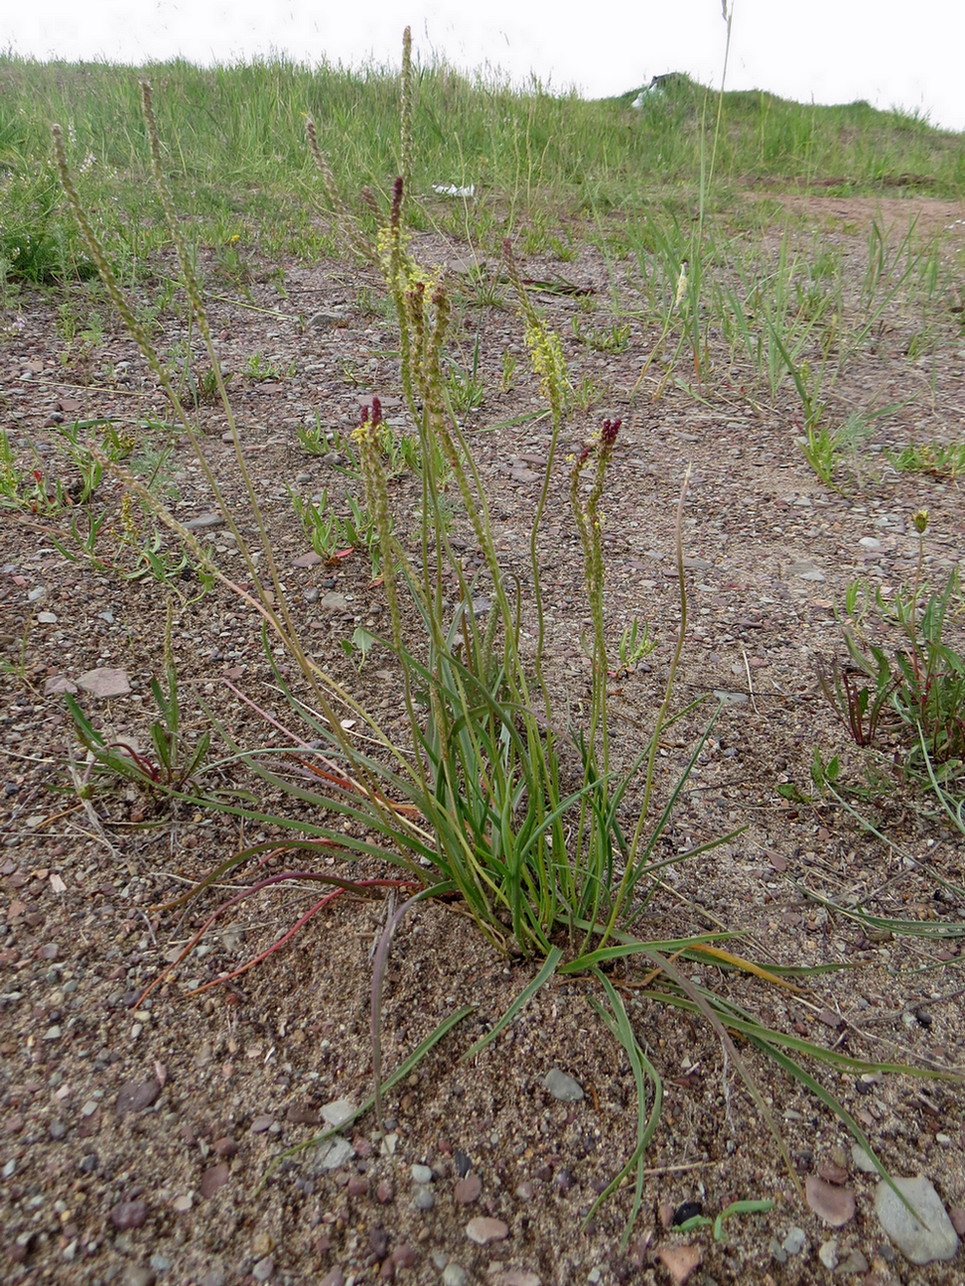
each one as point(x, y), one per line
point(608, 434)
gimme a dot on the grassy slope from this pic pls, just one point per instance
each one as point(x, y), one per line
point(239, 134)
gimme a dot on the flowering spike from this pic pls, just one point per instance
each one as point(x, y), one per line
point(377, 413)
point(395, 218)
point(608, 434)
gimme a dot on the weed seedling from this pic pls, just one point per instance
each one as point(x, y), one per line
point(610, 339)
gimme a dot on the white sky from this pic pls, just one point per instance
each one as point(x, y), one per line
point(890, 52)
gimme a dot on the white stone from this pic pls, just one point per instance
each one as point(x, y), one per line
point(919, 1242)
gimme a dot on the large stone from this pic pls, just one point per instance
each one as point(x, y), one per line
point(921, 1242)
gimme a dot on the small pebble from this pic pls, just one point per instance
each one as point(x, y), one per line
point(795, 1241)
point(129, 1214)
point(483, 1230)
point(467, 1190)
point(339, 1112)
point(454, 1275)
point(563, 1087)
point(422, 1174)
point(828, 1254)
point(423, 1198)
point(854, 1265)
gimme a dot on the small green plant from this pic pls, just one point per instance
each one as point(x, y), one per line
point(586, 394)
point(860, 704)
point(206, 387)
point(333, 535)
point(259, 367)
point(10, 475)
point(941, 459)
point(172, 764)
point(466, 388)
point(314, 437)
point(826, 448)
point(609, 339)
point(717, 1223)
point(564, 251)
point(906, 671)
point(81, 335)
point(231, 264)
point(18, 668)
point(32, 490)
point(484, 288)
point(114, 541)
point(820, 448)
point(401, 451)
point(634, 645)
point(319, 522)
point(507, 377)
point(359, 645)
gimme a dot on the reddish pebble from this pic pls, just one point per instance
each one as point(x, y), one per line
point(467, 1190)
point(224, 1147)
point(404, 1256)
point(213, 1180)
point(483, 1230)
point(301, 1114)
point(384, 1192)
point(262, 1123)
point(129, 1214)
point(833, 1173)
point(358, 1185)
point(135, 1097)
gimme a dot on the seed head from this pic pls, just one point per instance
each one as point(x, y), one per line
point(395, 218)
point(371, 414)
point(608, 433)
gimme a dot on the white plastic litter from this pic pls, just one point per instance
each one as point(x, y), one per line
point(450, 189)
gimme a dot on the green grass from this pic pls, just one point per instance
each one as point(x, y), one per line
point(237, 158)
